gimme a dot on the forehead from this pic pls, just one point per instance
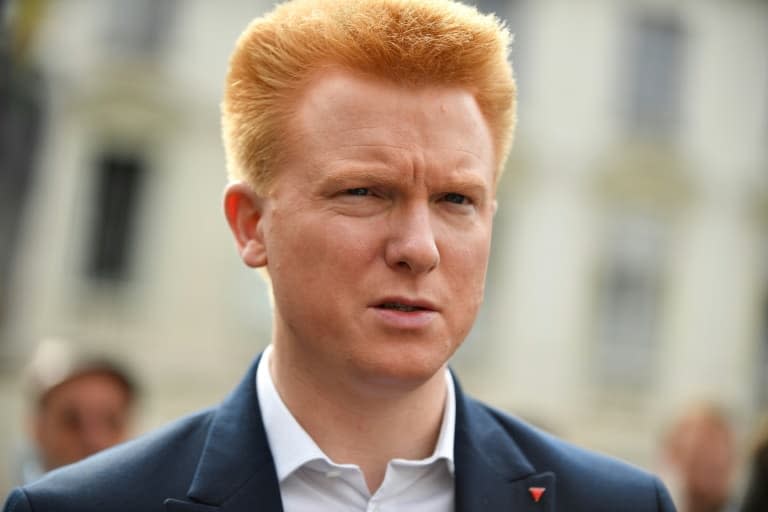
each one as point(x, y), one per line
point(336, 89)
point(82, 388)
point(339, 107)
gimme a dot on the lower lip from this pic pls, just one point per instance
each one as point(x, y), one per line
point(405, 319)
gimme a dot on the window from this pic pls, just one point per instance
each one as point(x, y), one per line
point(499, 7)
point(629, 300)
point(654, 74)
point(139, 27)
point(118, 186)
point(762, 365)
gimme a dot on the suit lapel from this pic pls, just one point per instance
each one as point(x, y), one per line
point(492, 473)
point(236, 472)
point(174, 505)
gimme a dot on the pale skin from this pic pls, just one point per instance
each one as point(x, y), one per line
point(375, 233)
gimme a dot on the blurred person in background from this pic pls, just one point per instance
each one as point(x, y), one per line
point(364, 141)
point(756, 497)
point(700, 458)
point(80, 405)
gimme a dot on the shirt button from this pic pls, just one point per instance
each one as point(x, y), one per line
point(334, 473)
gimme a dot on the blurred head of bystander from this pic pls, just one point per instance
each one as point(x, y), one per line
point(80, 404)
point(700, 453)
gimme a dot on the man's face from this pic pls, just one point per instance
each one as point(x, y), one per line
point(706, 459)
point(81, 416)
point(377, 230)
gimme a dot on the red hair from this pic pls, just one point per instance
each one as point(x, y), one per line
point(413, 43)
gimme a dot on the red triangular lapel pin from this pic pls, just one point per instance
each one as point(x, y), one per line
point(536, 493)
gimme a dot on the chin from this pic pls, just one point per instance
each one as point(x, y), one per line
point(402, 370)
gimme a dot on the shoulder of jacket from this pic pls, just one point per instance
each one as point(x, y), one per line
point(16, 502)
point(579, 471)
point(150, 468)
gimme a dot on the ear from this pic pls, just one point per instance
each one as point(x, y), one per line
point(244, 210)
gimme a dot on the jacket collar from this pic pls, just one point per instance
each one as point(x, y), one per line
point(492, 473)
point(236, 471)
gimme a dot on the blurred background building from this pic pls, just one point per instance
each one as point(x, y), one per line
point(630, 268)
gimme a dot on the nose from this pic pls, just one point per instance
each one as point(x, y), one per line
point(412, 245)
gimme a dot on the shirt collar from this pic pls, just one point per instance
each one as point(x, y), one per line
point(292, 447)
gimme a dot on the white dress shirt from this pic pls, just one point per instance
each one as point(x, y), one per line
point(310, 481)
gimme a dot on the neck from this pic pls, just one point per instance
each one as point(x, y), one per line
point(355, 423)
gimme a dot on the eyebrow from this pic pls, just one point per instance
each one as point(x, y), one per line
point(360, 171)
point(379, 173)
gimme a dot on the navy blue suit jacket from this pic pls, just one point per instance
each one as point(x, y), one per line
point(219, 460)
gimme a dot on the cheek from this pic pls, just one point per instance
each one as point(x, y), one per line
point(468, 259)
point(466, 267)
point(309, 244)
point(318, 261)
point(58, 435)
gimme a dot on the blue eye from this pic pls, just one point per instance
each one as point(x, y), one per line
point(456, 198)
point(361, 191)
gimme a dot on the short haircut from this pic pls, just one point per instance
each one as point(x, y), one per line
point(57, 361)
point(101, 367)
point(411, 43)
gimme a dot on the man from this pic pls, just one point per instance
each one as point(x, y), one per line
point(364, 140)
point(81, 405)
point(701, 457)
